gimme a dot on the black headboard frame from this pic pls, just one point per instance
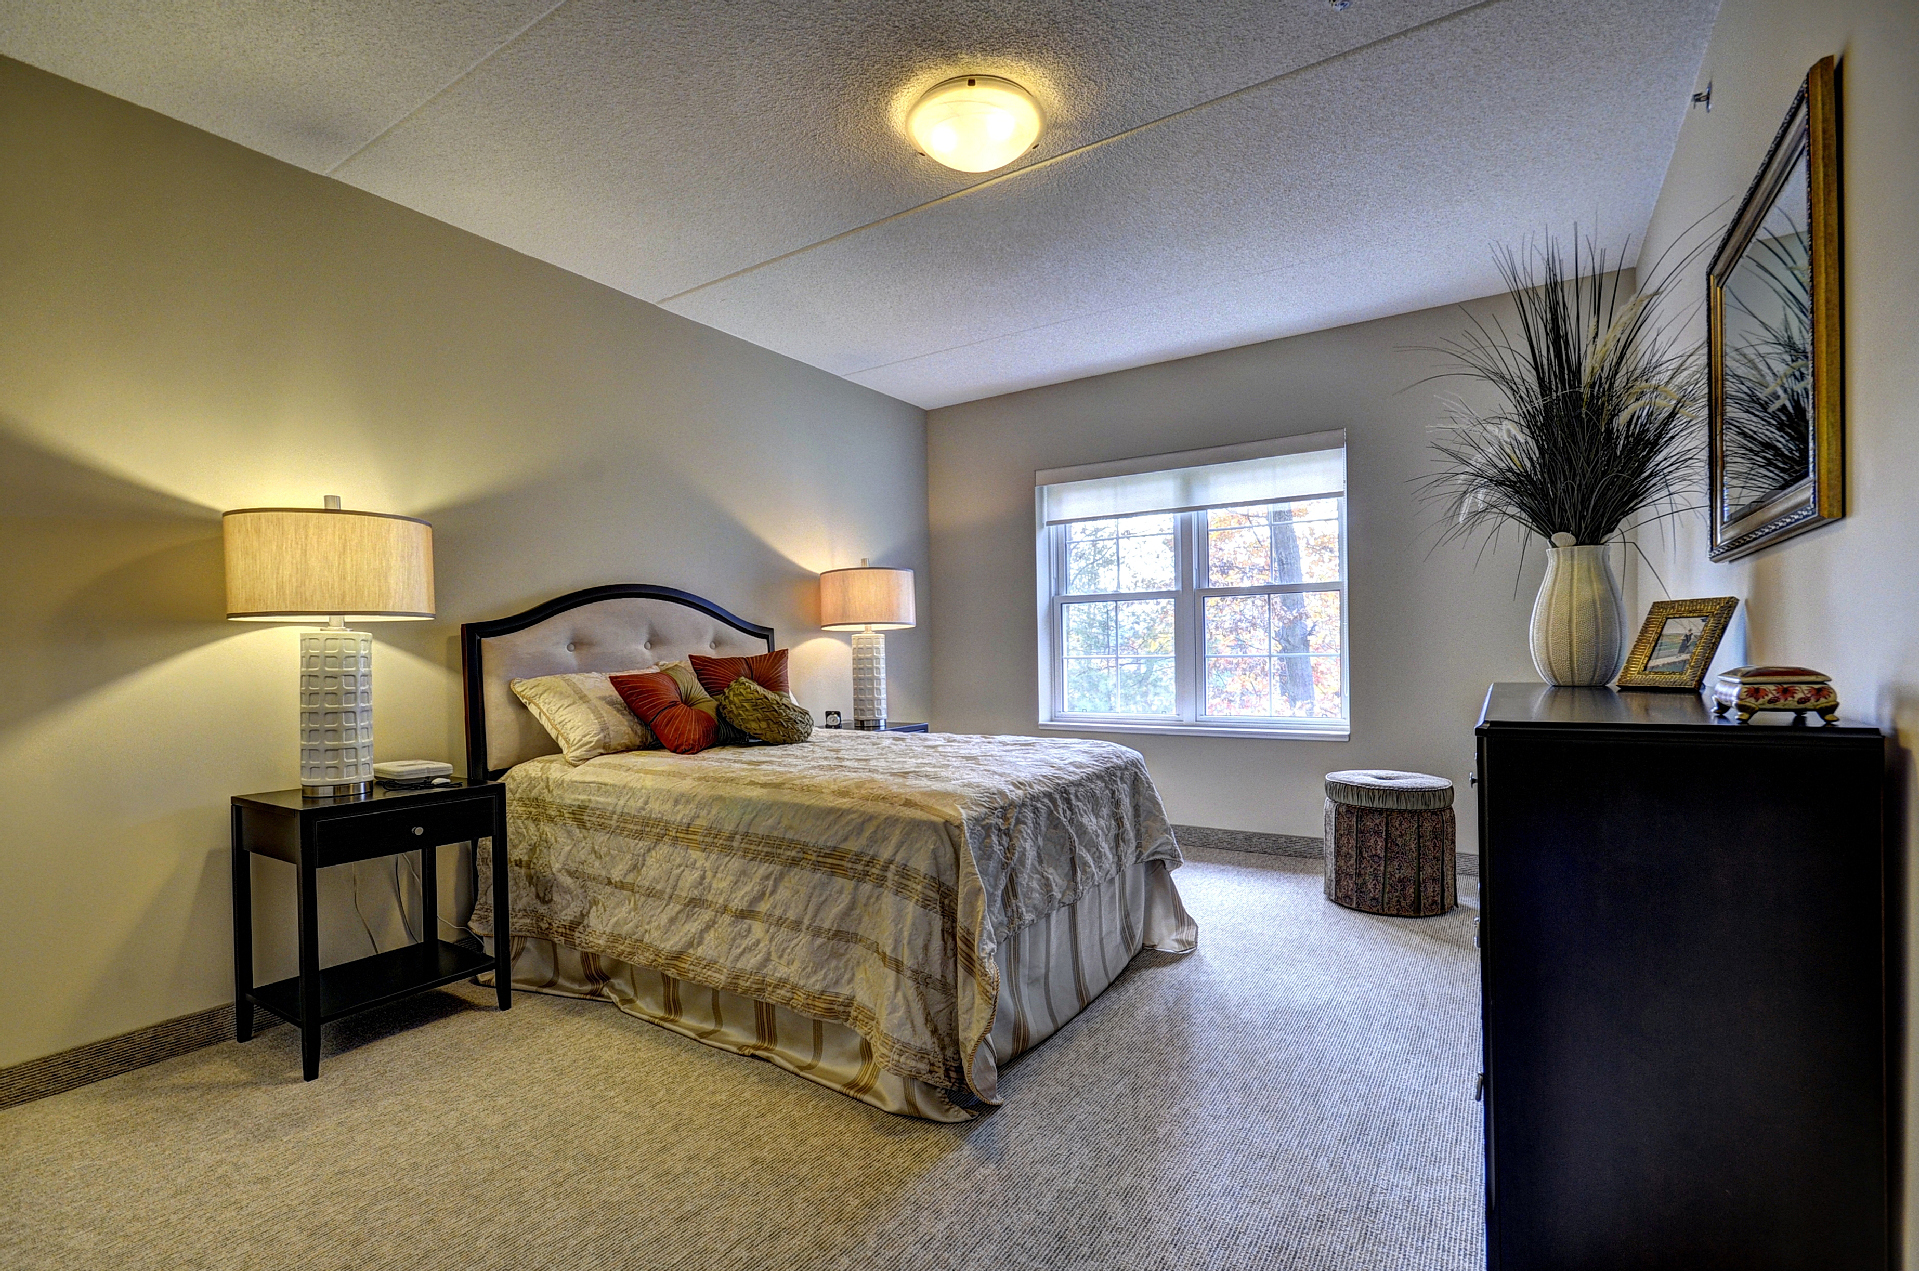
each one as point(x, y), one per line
point(472, 633)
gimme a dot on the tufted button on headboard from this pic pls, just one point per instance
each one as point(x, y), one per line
point(622, 627)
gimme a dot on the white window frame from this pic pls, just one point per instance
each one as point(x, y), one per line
point(1188, 596)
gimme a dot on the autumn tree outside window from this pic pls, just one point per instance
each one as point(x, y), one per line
point(1202, 592)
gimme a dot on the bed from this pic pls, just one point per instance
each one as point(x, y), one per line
point(891, 915)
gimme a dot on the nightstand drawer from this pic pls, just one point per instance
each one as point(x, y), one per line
point(403, 829)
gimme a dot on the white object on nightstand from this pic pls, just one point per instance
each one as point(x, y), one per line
point(868, 600)
point(329, 564)
point(411, 770)
point(336, 707)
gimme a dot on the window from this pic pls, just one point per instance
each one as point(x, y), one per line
point(1203, 592)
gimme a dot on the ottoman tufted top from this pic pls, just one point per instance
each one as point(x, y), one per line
point(1385, 788)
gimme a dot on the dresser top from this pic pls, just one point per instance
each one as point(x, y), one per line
point(1543, 706)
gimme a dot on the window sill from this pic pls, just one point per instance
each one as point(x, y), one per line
point(1280, 732)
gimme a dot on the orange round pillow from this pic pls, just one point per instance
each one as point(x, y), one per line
point(768, 670)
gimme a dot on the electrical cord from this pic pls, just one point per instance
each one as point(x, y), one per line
point(415, 871)
point(399, 899)
point(361, 912)
point(399, 895)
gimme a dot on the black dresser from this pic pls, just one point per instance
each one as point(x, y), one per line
point(1682, 942)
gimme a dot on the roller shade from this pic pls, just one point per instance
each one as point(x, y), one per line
point(1258, 472)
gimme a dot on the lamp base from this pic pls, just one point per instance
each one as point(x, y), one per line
point(336, 712)
point(869, 678)
point(338, 789)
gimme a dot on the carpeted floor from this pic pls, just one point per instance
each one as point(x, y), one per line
point(1296, 1094)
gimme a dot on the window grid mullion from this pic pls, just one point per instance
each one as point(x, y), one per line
point(1056, 623)
point(1089, 597)
point(1273, 589)
point(1186, 630)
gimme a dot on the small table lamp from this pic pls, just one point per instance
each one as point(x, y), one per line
point(327, 565)
point(867, 600)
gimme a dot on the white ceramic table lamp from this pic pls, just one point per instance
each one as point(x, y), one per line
point(867, 600)
point(328, 565)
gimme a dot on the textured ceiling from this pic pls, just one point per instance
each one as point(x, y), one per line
point(1211, 174)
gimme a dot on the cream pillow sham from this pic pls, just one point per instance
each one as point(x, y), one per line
point(583, 713)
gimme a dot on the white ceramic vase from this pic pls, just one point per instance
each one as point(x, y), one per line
point(1579, 622)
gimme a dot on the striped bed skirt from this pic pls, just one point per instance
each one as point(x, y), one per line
point(1049, 971)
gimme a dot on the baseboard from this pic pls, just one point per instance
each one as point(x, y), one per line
point(96, 1061)
point(1249, 841)
point(1297, 845)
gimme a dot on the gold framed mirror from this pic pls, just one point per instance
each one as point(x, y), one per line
point(1776, 447)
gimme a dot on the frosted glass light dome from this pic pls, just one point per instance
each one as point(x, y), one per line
point(975, 123)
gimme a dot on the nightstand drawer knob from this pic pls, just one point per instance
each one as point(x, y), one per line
point(419, 829)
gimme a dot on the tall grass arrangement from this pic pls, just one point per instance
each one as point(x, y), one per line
point(1599, 426)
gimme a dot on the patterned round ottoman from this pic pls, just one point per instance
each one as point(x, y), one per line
point(1390, 842)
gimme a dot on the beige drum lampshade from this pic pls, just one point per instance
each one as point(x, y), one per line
point(307, 564)
point(854, 599)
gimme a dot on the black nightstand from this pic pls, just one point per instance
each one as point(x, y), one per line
point(311, 834)
point(892, 726)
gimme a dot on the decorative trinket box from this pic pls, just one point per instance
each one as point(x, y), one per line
point(1751, 689)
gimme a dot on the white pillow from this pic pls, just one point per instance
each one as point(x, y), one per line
point(583, 713)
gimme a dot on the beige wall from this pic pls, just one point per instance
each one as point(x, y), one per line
point(1429, 630)
point(187, 326)
point(1844, 598)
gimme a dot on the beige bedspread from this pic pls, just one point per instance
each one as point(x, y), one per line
point(864, 878)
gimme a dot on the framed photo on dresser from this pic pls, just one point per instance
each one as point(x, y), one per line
point(1677, 642)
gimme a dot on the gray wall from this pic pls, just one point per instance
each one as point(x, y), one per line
point(1429, 629)
point(187, 326)
point(1844, 598)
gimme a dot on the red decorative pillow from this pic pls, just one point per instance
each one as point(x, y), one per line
point(768, 670)
point(683, 728)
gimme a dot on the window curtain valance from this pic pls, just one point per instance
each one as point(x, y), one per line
point(1313, 465)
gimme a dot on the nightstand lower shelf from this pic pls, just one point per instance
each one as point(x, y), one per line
point(374, 981)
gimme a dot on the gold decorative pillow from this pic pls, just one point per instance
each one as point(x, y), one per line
point(690, 691)
point(762, 713)
point(584, 715)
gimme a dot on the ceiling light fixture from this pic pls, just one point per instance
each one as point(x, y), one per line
point(975, 123)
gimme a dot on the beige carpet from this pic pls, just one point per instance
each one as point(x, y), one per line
point(1296, 1094)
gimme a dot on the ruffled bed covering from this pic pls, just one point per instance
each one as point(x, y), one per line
point(1050, 970)
point(887, 885)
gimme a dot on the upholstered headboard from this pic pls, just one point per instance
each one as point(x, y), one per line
point(613, 628)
